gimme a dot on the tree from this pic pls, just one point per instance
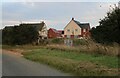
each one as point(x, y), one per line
point(18, 35)
point(108, 30)
point(7, 35)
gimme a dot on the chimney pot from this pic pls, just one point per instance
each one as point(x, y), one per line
point(72, 18)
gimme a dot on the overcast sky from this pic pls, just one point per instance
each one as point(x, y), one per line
point(55, 14)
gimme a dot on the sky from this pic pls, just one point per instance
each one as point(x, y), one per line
point(55, 14)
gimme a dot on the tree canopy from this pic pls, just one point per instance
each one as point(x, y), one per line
point(108, 30)
point(18, 35)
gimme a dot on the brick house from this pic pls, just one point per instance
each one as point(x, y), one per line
point(53, 33)
point(75, 29)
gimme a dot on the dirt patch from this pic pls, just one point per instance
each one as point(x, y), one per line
point(17, 52)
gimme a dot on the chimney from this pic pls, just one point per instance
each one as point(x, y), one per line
point(72, 18)
point(42, 21)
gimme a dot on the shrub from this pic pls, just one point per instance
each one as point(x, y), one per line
point(77, 42)
point(57, 41)
point(90, 47)
point(19, 35)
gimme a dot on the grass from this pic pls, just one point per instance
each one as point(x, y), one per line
point(84, 60)
point(91, 48)
point(76, 63)
point(20, 47)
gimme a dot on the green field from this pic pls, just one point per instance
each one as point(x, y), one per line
point(74, 62)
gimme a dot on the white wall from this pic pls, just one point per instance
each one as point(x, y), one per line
point(72, 26)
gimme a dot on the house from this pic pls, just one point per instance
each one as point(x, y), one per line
point(40, 27)
point(75, 29)
point(53, 33)
point(61, 32)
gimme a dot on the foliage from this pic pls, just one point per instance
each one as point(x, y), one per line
point(77, 42)
point(109, 29)
point(18, 35)
point(0, 36)
point(90, 48)
point(57, 41)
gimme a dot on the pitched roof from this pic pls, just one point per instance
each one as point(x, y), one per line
point(9, 27)
point(60, 31)
point(82, 25)
point(54, 30)
point(57, 31)
point(38, 26)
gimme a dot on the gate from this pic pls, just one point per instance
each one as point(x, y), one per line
point(68, 42)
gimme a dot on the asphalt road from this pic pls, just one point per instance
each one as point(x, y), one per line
point(15, 65)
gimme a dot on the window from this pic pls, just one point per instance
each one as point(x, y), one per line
point(68, 30)
point(84, 30)
point(76, 30)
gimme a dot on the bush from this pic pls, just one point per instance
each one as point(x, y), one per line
point(0, 36)
point(19, 35)
point(57, 41)
point(77, 42)
point(90, 48)
point(42, 42)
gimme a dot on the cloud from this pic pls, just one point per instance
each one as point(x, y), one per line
point(58, 24)
point(56, 15)
point(26, 3)
point(61, 1)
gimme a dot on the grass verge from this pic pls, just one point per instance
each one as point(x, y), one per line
point(76, 63)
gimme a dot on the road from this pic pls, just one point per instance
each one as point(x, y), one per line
point(15, 65)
